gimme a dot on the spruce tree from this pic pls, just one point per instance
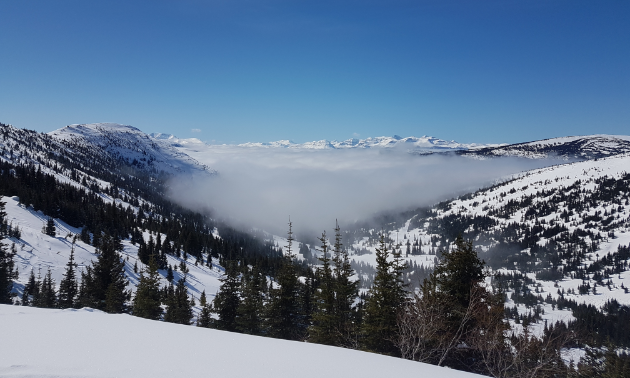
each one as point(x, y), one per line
point(8, 272)
point(104, 284)
point(324, 327)
point(385, 298)
point(47, 297)
point(205, 315)
point(227, 300)
point(249, 312)
point(178, 309)
point(29, 289)
point(68, 287)
point(346, 291)
point(284, 318)
point(50, 228)
point(147, 303)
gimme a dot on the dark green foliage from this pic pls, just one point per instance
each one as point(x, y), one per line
point(249, 312)
point(178, 308)
point(169, 274)
point(7, 273)
point(324, 327)
point(346, 290)
point(227, 300)
point(147, 302)
point(205, 315)
point(458, 271)
point(605, 363)
point(68, 287)
point(385, 297)
point(30, 289)
point(47, 296)
point(284, 318)
point(103, 284)
point(50, 228)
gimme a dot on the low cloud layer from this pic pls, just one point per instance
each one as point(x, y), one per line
point(262, 187)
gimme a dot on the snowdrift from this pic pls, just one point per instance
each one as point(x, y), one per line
point(90, 343)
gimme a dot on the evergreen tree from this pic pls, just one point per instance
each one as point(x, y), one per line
point(147, 303)
point(385, 297)
point(458, 271)
point(324, 327)
point(205, 315)
point(103, 284)
point(178, 309)
point(68, 287)
point(346, 291)
point(284, 318)
point(50, 228)
point(7, 271)
point(227, 300)
point(29, 289)
point(249, 312)
point(47, 297)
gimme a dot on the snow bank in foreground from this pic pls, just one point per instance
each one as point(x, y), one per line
point(90, 343)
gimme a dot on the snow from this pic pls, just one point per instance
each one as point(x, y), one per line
point(39, 252)
point(90, 343)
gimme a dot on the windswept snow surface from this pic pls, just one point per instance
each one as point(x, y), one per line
point(89, 343)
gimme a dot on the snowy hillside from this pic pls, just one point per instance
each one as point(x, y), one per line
point(577, 147)
point(559, 236)
point(90, 343)
point(129, 144)
point(38, 252)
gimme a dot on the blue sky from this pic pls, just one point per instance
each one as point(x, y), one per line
point(241, 70)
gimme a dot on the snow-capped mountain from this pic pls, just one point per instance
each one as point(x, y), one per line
point(127, 143)
point(558, 236)
point(408, 143)
point(576, 147)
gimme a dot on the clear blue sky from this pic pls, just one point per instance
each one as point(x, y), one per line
point(241, 70)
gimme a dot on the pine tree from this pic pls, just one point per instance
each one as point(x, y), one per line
point(346, 291)
point(458, 271)
point(8, 272)
point(385, 297)
point(249, 312)
point(178, 309)
point(103, 284)
point(227, 300)
point(147, 303)
point(205, 315)
point(284, 318)
point(324, 327)
point(47, 297)
point(68, 287)
point(50, 228)
point(29, 289)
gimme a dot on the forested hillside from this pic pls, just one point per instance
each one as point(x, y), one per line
point(509, 281)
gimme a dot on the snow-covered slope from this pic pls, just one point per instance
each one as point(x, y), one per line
point(575, 147)
point(89, 343)
point(38, 252)
point(131, 145)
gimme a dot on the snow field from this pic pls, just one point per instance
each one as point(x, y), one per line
point(87, 343)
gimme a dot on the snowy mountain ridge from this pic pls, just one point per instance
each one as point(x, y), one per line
point(576, 147)
point(131, 145)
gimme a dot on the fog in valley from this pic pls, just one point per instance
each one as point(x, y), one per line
point(263, 187)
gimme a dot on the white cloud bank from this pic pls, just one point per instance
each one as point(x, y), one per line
point(262, 187)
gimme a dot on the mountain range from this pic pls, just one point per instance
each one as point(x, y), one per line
point(557, 238)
